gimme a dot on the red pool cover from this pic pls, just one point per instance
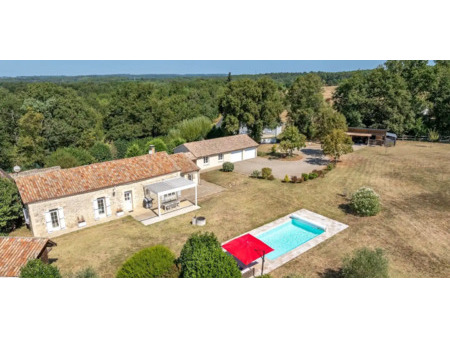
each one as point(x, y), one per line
point(247, 248)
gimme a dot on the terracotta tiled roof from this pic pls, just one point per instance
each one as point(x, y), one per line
point(220, 145)
point(184, 163)
point(16, 251)
point(66, 182)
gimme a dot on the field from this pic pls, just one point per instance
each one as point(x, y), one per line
point(413, 180)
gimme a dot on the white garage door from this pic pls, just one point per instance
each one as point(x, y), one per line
point(236, 156)
point(249, 153)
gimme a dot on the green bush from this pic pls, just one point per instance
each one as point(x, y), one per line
point(286, 179)
point(10, 205)
point(228, 167)
point(271, 178)
point(266, 275)
point(273, 150)
point(331, 166)
point(365, 202)
point(36, 268)
point(203, 257)
point(255, 174)
point(101, 152)
point(312, 176)
point(366, 263)
point(134, 150)
point(305, 177)
point(159, 144)
point(89, 272)
point(69, 158)
point(266, 172)
point(154, 262)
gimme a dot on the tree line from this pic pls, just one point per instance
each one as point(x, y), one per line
point(80, 122)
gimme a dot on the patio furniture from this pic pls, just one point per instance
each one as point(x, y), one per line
point(170, 205)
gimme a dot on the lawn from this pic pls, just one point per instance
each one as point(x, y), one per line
point(413, 180)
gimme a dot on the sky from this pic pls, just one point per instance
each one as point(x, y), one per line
point(81, 67)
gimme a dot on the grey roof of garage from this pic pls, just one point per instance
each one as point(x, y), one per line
point(220, 145)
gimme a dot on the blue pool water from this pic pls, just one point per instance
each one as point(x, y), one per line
point(288, 236)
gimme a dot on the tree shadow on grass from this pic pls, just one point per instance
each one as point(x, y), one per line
point(331, 273)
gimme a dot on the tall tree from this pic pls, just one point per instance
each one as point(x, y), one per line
point(305, 98)
point(254, 104)
point(336, 144)
point(10, 205)
point(291, 139)
point(30, 150)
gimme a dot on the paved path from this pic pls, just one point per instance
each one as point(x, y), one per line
point(313, 158)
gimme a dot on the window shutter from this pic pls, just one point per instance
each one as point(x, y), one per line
point(62, 221)
point(48, 222)
point(108, 206)
point(96, 216)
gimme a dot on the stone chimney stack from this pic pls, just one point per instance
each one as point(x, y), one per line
point(151, 149)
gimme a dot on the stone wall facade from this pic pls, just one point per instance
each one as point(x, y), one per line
point(82, 206)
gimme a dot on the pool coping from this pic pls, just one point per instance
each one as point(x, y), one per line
point(332, 228)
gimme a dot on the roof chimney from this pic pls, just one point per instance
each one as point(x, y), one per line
point(151, 149)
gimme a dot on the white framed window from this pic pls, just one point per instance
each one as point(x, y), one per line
point(101, 206)
point(54, 219)
point(220, 157)
point(206, 160)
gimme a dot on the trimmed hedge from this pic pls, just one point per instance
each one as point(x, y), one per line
point(365, 202)
point(228, 167)
point(154, 262)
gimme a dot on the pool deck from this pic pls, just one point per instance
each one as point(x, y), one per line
point(332, 228)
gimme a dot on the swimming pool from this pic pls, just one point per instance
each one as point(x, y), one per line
point(288, 236)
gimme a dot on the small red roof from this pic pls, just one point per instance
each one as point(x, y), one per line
point(247, 248)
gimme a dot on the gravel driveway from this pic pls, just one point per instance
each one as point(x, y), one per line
point(313, 158)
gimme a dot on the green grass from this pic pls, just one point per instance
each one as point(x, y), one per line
point(412, 179)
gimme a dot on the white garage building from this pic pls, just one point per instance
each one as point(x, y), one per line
point(214, 152)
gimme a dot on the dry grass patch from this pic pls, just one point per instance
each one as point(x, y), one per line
point(412, 227)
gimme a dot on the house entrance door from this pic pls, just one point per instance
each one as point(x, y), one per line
point(128, 201)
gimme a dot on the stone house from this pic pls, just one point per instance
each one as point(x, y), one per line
point(213, 153)
point(64, 200)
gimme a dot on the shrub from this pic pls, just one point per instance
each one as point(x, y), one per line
point(89, 272)
point(133, 150)
point(271, 178)
point(286, 179)
point(365, 202)
point(69, 158)
point(331, 166)
point(228, 167)
point(312, 176)
point(10, 205)
point(255, 174)
point(101, 152)
point(154, 262)
point(305, 177)
point(366, 263)
point(266, 275)
point(203, 257)
point(266, 172)
point(320, 173)
point(273, 150)
point(294, 179)
point(159, 144)
point(36, 268)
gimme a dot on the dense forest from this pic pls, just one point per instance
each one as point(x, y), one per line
point(71, 121)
